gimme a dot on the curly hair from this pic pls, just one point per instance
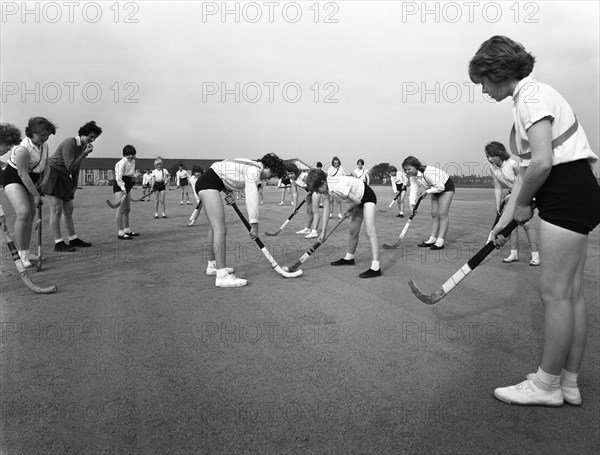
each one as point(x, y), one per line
point(274, 163)
point(315, 179)
point(9, 134)
point(500, 58)
point(496, 148)
point(291, 167)
point(90, 128)
point(38, 125)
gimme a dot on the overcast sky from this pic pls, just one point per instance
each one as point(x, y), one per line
point(372, 80)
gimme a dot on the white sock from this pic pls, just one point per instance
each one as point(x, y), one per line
point(58, 240)
point(535, 255)
point(127, 230)
point(431, 239)
point(568, 379)
point(212, 264)
point(222, 273)
point(375, 265)
point(349, 256)
point(23, 253)
point(72, 237)
point(121, 232)
point(514, 253)
point(546, 381)
point(439, 242)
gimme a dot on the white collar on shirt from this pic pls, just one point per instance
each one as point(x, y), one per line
point(520, 85)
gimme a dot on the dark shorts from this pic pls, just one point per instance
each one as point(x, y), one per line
point(128, 185)
point(400, 187)
point(12, 176)
point(183, 182)
point(449, 186)
point(368, 196)
point(570, 197)
point(57, 183)
point(209, 181)
point(159, 186)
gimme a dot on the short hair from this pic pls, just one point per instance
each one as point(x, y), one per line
point(129, 150)
point(319, 164)
point(315, 178)
point(500, 58)
point(90, 128)
point(196, 168)
point(392, 169)
point(9, 134)
point(361, 162)
point(291, 167)
point(158, 160)
point(496, 148)
point(274, 163)
point(412, 161)
point(38, 125)
point(335, 158)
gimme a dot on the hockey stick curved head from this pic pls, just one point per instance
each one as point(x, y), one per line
point(287, 274)
point(428, 299)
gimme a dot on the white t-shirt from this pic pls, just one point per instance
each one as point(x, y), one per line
point(361, 174)
point(505, 174)
point(341, 187)
point(161, 175)
point(534, 101)
point(433, 180)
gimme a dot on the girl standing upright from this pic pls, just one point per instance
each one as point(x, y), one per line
point(556, 169)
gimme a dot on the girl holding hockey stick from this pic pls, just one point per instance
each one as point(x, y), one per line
point(227, 176)
point(158, 183)
point(334, 171)
point(399, 183)
point(25, 164)
point(181, 180)
point(298, 181)
point(556, 169)
point(124, 180)
point(505, 171)
point(363, 201)
point(436, 182)
point(196, 173)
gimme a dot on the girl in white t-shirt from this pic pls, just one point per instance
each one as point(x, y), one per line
point(556, 169)
point(158, 183)
point(182, 182)
point(436, 182)
point(334, 171)
point(399, 182)
point(361, 172)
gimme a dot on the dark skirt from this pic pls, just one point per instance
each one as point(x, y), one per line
point(183, 182)
point(57, 183)
point(570, 197)
point(159, 186)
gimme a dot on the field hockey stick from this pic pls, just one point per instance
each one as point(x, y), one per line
point(289, 217)
point(498, 215)
point(313, 248)
point(261, 245)
point(405, 230)
point(39, 226)
point(118, 204)
point(19, 264)
point(144, 196)
point(195, 214)
point(462, 272)
point(391, 203)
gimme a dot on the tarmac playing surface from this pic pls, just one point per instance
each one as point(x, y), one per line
point(139, 353)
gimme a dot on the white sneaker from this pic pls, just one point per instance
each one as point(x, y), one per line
point(312, 235)
point(511, 258)
point(535, 259)
point(571, 395)
point(211, 271)
point(230, 281)
point(527, 393)
point(303, 231)
point(340, 216)
point(281, 203)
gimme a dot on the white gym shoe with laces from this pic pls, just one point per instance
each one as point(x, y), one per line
point(571, 395)
point(527, 393)
point(213, 270)
point(230, 281)
point(303, 231)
